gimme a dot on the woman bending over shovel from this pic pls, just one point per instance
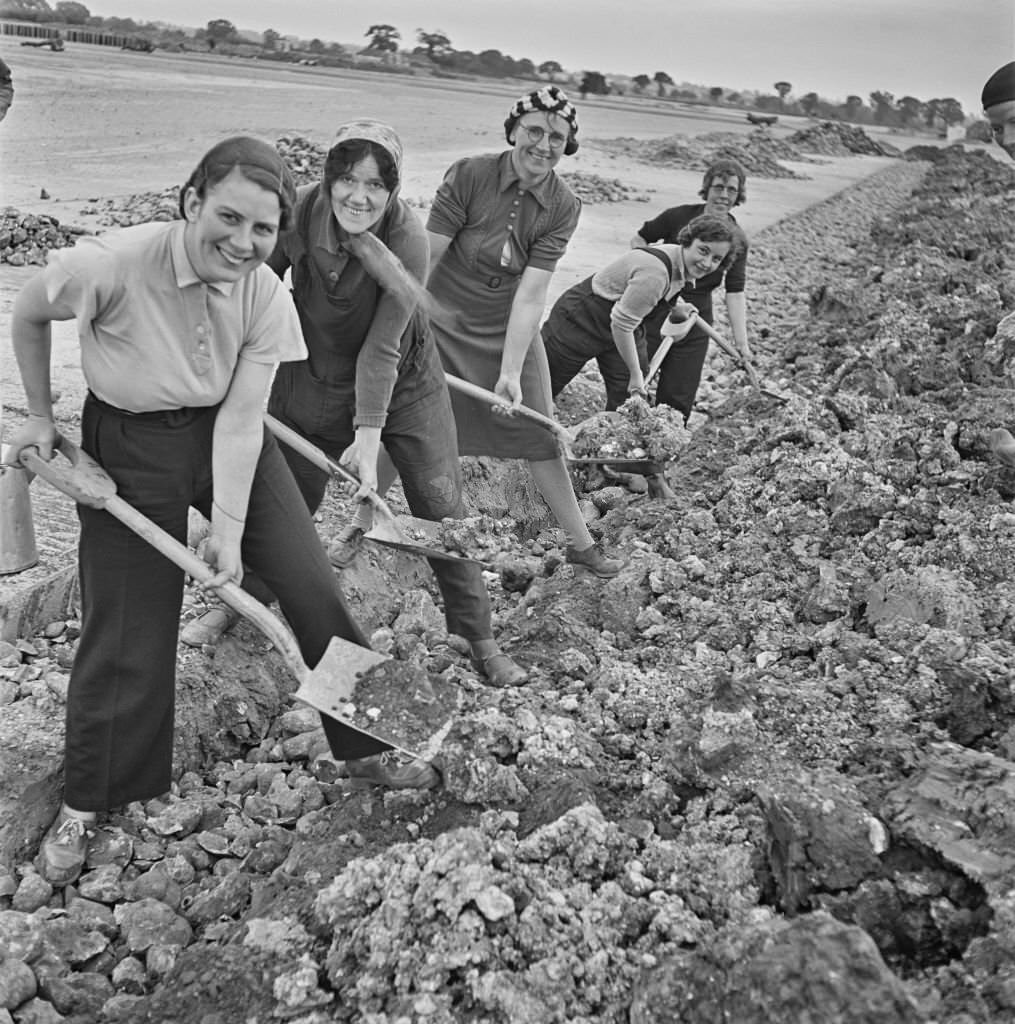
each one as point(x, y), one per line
point(498, 226)
point(372, 372)
point(181, 328)
point(722, 188)
point(603, 317)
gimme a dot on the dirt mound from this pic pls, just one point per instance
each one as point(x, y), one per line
point(767, 771)
point(833, 138)
point(25, 238)
point(757, 152)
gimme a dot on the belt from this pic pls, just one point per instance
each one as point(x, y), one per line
point(171, 417)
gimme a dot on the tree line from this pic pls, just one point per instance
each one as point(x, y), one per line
point(434, 48)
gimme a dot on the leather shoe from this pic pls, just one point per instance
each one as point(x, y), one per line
point(64, 848)
point(500, 670)
point(595, 560)
point(346, 546)
point(208, 629)
point(396, 771)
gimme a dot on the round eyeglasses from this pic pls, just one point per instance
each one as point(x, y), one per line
point(535, 135)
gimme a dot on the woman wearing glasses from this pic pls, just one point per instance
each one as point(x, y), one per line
point(498, 226)
point(722, 188)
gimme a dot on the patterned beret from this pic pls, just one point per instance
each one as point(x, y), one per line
point(551, 99)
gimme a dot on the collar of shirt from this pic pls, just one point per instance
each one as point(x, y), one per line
point(509, 179)
point(184, 269)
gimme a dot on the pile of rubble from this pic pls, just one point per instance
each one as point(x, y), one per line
point(25, 238)
point(766, 773)
point(695, 153)
point(138, 208)
point(834, 138)
point(591, 188)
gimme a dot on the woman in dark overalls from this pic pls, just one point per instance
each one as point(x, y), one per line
point(373, 374)
point(603, 317)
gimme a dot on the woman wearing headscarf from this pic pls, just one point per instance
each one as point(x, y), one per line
point(181, 328)
point(723, 187)
point(498, 226)
point(358, 255)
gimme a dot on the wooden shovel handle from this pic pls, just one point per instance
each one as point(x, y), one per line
point(314, 455)
point(475, 391)
point(84, 480)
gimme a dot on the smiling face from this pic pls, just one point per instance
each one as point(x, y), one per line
point(232, 229)
point(722, 194)
point(359, 196)
point(1002, 125)
point(539, 139)
point(701, 257)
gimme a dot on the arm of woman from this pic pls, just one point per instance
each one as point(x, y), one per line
point(438, 247)
point(736, 310)
point(31, 337)
point(377, 362)
point(647, 283)
point(527, 309)
point(236, 446)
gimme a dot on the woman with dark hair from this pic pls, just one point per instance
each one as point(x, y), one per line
point(358, 255)
point(603, 317)
point(723, 187)
point(181, 329)
point(498, 226)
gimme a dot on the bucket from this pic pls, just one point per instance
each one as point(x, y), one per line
point(17, 534)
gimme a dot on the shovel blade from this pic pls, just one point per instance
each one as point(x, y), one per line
point(391, 701)
point(392, 534)
point(643, 467)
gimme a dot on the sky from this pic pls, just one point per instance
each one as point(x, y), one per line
point(923, 48)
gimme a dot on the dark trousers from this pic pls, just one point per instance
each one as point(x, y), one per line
point(680, 374)
point(421, 438)
point(578, 329)
point(121, 698)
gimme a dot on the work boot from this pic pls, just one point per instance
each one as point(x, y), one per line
point(346, 546)
point(658, 486)
point(499, 669)
point(1002, 444)
point(595, 560)
point(396, 771)
point(64, 848)
point(209, 628)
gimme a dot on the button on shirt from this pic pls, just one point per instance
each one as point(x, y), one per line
point(153, 335)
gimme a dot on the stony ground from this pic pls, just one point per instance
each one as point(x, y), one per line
point(765, 774)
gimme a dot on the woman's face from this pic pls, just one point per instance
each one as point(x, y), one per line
point(701, 257)
point(359, 197)
point(721, 195)
point(232, 230)
point(539, 139)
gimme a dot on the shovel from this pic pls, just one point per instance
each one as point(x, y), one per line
point(738, 358)
point(387, 528)
point(330, 687)
point(564, 436)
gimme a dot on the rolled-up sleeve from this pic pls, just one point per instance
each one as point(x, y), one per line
point(645, 287)
point(450, 210)
point(546, 250)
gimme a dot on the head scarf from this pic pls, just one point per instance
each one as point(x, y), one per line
point(372, 131)
point(377, 259)
point(1000, 87)
point(552, 100)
